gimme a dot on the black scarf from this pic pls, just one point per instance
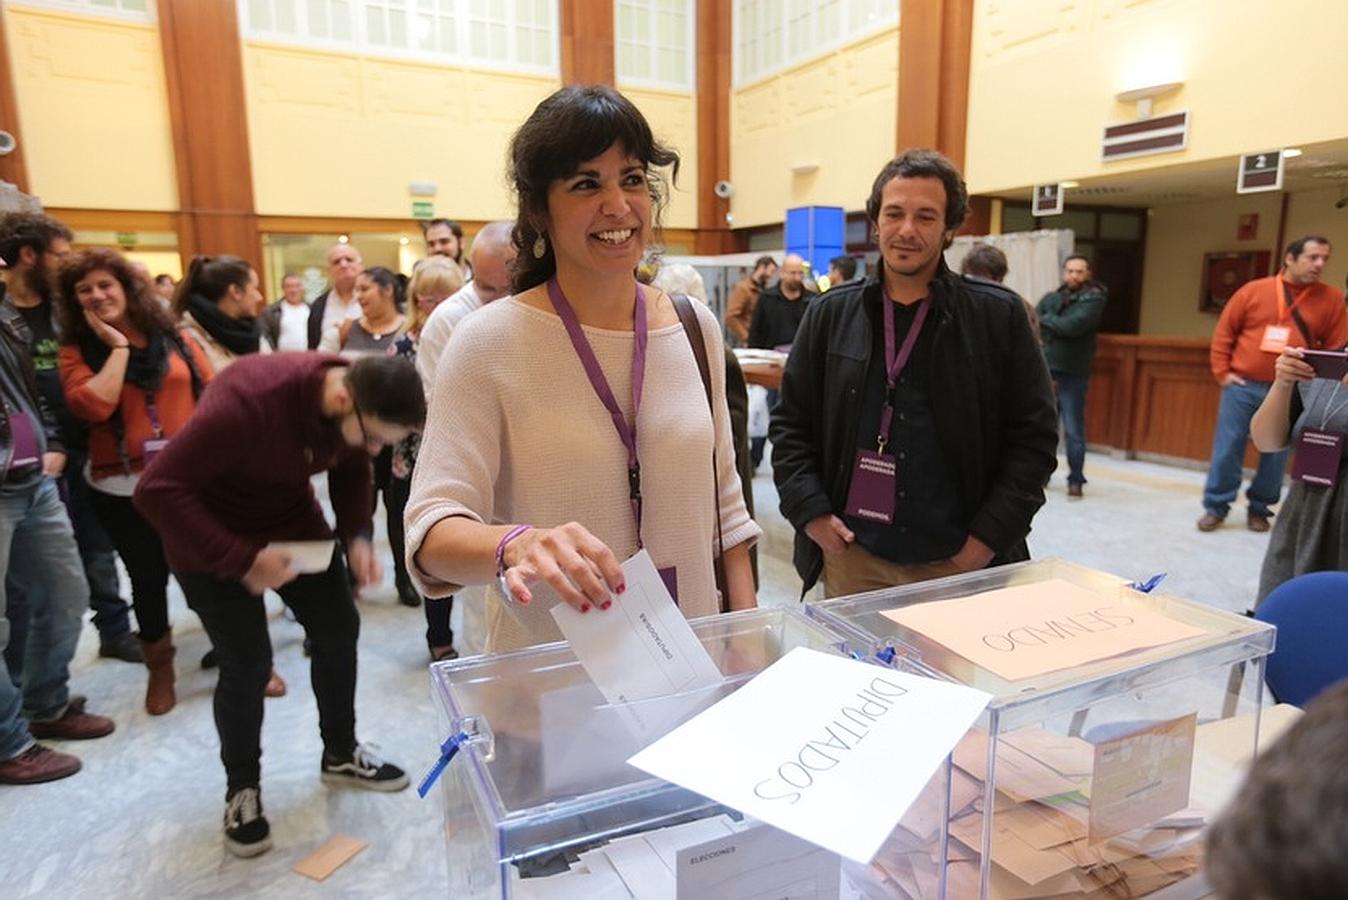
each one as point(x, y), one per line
point(240, 336)
point(146, 368)
point(149, 364)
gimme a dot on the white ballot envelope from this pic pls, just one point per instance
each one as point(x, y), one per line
point(641, 647)
point(823, 747)
point(307, 557)
point(760, 863)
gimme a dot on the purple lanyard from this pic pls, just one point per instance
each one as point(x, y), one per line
point(628, 433)
point(153, 413)
point(896, 364)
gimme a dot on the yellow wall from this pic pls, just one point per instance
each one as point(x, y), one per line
point(341, 135)
point(1044, 74)
point(673, 118)
point(93, 111)
point(837, 111)
point(1179, 235)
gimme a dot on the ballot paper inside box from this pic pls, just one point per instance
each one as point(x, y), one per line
point(541, 803)
point(1086, 778)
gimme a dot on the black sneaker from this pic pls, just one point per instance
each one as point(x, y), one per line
point(246, 830)
point(363, 769)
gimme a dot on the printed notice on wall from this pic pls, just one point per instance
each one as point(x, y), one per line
point(1141, 777)
point(1030, 629)
point(826, 748)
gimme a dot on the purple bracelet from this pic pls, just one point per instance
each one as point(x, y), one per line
point(501, 548)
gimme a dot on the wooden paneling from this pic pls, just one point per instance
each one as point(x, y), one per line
point(114, 219)
point(713, 125)
point(12, 167)
point(934, 44)
point(204, 70)
point(1154, 395)
point(587, 41)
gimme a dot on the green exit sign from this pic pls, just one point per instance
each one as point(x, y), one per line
point(127, 238)
point(423, 209)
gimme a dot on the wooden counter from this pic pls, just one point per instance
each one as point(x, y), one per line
point(1153, 395)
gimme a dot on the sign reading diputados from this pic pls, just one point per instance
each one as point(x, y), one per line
point(1031, 629)
point(826, 748)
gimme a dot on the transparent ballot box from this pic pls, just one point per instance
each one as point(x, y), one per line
point(540, 802)
point(1098, 776)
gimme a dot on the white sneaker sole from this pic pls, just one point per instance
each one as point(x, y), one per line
point(245, 851)
point(388, 787)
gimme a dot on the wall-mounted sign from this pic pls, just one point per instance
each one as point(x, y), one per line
point(1260, 172)
point(1143, 137)
point(1247, 227)
point(1047, 200)
point(423, 209)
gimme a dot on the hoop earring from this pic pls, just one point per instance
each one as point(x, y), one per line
point(540, 247)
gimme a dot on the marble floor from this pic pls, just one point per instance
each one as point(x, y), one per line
point(143, 818)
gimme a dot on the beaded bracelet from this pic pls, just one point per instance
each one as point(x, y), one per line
point(500, 555)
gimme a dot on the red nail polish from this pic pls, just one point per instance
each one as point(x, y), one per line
point(621, 588)
point(606, 604)
point(585, 608)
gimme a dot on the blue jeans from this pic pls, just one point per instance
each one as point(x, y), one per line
point(1239, 402)
point(37, 548)
point(112, 614)
point(1071, 391)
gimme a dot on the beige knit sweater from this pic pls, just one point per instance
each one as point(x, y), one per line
point(515, 434)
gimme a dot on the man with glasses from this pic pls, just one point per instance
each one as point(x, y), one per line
point(235, 482)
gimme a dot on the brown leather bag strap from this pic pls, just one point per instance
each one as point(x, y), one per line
point(692, 328)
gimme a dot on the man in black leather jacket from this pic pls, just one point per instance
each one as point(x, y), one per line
point(952, 483)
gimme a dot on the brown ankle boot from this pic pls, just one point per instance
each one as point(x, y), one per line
point(160, 696)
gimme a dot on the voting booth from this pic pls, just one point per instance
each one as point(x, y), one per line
point(540, 801)
point(1121, 723)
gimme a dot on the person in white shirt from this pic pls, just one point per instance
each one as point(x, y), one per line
point(338, 302)
point(285, 324)
point(491, 256)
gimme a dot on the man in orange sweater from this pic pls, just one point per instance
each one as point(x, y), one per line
point(1291, 309)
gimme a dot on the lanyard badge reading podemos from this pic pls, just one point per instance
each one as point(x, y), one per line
point(871, 495)
point(1319, 452)
point(627, 433)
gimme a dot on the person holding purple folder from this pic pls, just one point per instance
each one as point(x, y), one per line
point(573, 424)
point(1309, 411)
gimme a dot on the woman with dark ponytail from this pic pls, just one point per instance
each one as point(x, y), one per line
point(218, 301)
point(135, 378)
point(380, 295)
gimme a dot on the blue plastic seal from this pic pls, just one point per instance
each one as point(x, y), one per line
point(886, 655)
point(1150, 584)
point(447, 750)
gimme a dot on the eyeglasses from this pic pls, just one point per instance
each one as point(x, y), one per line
point(370, 445)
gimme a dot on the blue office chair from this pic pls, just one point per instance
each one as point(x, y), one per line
point(1311, 614)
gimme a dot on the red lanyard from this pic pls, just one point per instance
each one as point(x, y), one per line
point(626, 432)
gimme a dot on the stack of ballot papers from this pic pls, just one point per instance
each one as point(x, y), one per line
point(1061, 826)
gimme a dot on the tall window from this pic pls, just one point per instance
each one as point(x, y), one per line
point(519, 35)
point(771, 35)
point(128, 10)
point(655, 43)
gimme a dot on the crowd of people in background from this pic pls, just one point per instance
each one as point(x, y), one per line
point(178, 426)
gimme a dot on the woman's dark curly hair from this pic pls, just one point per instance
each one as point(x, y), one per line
point(144, 309)
point(571, 126)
